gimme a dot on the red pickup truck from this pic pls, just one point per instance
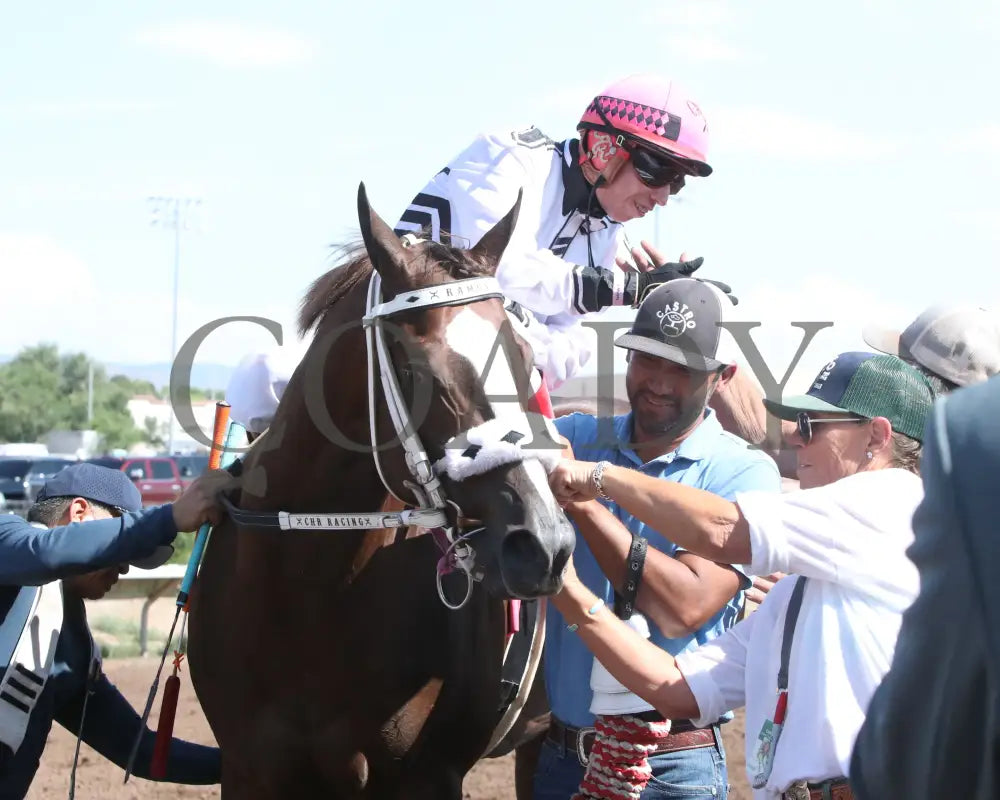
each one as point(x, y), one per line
point(157, 478)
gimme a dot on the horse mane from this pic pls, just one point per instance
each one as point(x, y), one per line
point(354, 266)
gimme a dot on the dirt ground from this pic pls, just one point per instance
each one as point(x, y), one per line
point(98, 779)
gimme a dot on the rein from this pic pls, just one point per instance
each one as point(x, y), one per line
point(432, 504)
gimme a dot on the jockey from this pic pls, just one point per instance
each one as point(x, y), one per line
point(639, 140)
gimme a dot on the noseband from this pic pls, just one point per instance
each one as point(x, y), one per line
point(432, 506)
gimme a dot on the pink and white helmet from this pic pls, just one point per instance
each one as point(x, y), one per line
point(655, 112)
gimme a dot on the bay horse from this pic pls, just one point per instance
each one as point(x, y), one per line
point(325, 660)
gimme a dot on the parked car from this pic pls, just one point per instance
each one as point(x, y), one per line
point(22, 478)
point(191, 466)
point(158, 478)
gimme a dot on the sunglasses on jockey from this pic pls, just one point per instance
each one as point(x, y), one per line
point(656, 171)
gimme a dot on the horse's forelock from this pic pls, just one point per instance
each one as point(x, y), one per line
point(354, 266)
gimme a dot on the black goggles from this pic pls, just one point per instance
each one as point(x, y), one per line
point(804, 423)
point(656, 171)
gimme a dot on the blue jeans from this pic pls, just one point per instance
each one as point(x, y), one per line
point(684, 775)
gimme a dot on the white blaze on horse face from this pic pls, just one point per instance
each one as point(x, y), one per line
point(476, 339)
point(540, 480)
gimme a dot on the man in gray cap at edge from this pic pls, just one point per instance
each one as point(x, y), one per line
point(954, 346)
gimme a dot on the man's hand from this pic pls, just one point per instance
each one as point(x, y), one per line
point(571, 481)
point(200, 501)
point(763, 585)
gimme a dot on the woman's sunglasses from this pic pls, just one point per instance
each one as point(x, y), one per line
point(804, 423)
point(657, 172)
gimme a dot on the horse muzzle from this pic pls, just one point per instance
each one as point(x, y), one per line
point(532, 564)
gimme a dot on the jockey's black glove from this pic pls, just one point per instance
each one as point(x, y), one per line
point(598, 288)
point(645, 281)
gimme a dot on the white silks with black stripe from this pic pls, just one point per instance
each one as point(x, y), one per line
point(559, 255)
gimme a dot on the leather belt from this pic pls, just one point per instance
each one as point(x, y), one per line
point(834, 789)
point(683, 736)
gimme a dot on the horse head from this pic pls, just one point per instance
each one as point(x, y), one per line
point(461, 364)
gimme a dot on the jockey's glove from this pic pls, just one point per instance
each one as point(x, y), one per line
point(598, 288)
point(670, 271)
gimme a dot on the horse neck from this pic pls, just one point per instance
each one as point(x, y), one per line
point(321, 428)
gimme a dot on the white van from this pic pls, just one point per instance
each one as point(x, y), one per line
point(23, 449)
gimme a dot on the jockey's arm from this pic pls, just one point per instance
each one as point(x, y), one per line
point(473, 193)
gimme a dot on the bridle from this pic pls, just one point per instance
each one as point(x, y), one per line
point(432, 506)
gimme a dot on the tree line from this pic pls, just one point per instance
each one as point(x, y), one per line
point(42, 390)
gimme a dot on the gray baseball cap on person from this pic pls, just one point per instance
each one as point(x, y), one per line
point(958, 343)
point(110, 487)
point(680, 321)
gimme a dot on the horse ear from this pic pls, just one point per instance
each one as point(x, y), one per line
point(384, 249)
point(496, 239)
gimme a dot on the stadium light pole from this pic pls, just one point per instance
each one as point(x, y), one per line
point(176, 214)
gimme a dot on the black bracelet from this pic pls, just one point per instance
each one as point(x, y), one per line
point(636, 560)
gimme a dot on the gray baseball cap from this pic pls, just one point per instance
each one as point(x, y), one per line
point(958, 343)
point(680, 321)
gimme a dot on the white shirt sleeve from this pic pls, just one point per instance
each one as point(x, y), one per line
point(716, 672)
point(561, 346)
point(853, 532)
point(472, 194)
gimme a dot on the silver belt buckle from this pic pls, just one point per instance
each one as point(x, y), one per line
point(581, 749)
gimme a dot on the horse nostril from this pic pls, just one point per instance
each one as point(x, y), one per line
point(560, 560)
point(525, 563)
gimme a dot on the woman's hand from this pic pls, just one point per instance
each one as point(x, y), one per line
point(569, 575)
point(571, 481)
point(762, 584)
point(573, 593)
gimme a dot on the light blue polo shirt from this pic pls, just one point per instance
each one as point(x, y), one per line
point(710, 459)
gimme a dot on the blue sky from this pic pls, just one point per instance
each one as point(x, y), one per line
point(856, 149)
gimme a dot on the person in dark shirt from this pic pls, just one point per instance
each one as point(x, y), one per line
point(87, 527)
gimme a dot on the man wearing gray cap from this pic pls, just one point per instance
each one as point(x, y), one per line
point(678, 355)
point(86, 527)
point(955, 346)
point(30, 557)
